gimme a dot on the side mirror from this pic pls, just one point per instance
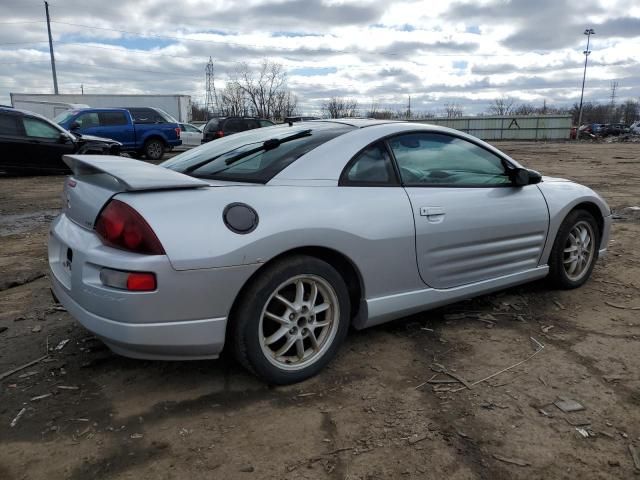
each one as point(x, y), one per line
point(75, 126)
point(64, 138)
point(523, 176)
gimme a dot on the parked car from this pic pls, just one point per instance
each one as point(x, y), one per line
point(224, 126)
point(320, 226)
point(190, 135)
point(615, 129)
point(142, 131)
point(30, 143)
point(635, 128)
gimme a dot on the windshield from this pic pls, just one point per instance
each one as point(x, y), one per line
point(167, 117)
point(243, 158)
point(64, 116)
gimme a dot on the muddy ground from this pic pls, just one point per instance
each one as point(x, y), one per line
point(368, 416)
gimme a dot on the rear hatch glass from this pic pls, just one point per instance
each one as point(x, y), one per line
point(254, 155)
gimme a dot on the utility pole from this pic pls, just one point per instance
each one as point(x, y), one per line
point(409, 109)
point(81, 89)
point(588, 32)
point(53, 60)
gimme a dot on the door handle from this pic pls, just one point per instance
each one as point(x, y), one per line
point(431, 211)
point(433, 214)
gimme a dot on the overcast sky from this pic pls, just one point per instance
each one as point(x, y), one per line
point(467, 51)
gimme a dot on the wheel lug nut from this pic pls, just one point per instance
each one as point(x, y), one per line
point(292, 316)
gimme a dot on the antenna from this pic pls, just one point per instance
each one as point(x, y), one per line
point(211, 102)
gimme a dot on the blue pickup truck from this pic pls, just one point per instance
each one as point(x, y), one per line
point(141, 130)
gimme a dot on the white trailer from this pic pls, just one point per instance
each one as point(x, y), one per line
point(178, 106)
point(45, 108)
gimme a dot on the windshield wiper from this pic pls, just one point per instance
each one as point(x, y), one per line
point(270, 144)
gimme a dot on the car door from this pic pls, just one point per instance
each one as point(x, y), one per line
point(117, 125)
point(13, 143)
point(472, 224)
point(46, 144)
point(190, 135)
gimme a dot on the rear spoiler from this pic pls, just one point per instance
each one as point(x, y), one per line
point(133, 175)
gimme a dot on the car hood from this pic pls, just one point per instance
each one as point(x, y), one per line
point(91, 138)
point(554, 179)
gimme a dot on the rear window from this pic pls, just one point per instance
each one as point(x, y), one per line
point(211, 126)
point(9, 125)
point(243, 158)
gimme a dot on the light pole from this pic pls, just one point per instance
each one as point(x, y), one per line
point(588, 32)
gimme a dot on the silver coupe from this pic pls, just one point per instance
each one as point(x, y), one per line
point(275, 241)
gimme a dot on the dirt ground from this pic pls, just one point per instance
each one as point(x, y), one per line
point(91, 414)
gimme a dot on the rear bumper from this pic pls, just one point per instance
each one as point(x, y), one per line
point(183, 340)
point(184, 318)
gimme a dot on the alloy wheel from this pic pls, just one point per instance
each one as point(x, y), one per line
point(299, 322)
point(579, 251)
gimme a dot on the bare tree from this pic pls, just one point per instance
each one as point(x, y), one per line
point(233, 101)
point(340, 107)
point(525, 109)
point(502, 106)
point(286, 105)
point(262, 87)
point(453, 110)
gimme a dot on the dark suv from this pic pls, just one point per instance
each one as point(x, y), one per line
point(220, 127)
point(30, 143)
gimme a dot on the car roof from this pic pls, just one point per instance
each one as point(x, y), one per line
point(354, 122)
point(326, 162)
point(19, 111)
point(101, 109)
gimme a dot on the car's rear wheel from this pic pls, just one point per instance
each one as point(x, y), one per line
point(291, 320)
point(575, 250)
point(154, 149)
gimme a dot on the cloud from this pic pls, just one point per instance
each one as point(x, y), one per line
point(466, 52)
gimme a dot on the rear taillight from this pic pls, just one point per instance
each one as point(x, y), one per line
point(177, 132)
point(132, 281)
point(120, 226)
point(219, 134)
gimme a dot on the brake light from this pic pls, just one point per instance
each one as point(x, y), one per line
point(219, 134)
point(141, 282)
point(177, 132)
point(120, 226)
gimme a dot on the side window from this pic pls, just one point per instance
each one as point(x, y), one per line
point(266, 123)
point(233, 125)
point(251, 124)
point(108, 119)
point(9, 125)
point(191, 128)
point(35, 127)
point(88, 120)
point(145, 115)
point(372, 166)
point(432, 159)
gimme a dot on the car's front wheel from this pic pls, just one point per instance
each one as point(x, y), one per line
point(291, 321)
point(575, 250)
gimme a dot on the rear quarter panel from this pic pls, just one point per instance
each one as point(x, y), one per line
point(373, 227)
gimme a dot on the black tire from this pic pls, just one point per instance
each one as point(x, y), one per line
point(154, 149)
point(245, 325)
point(558, 275)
